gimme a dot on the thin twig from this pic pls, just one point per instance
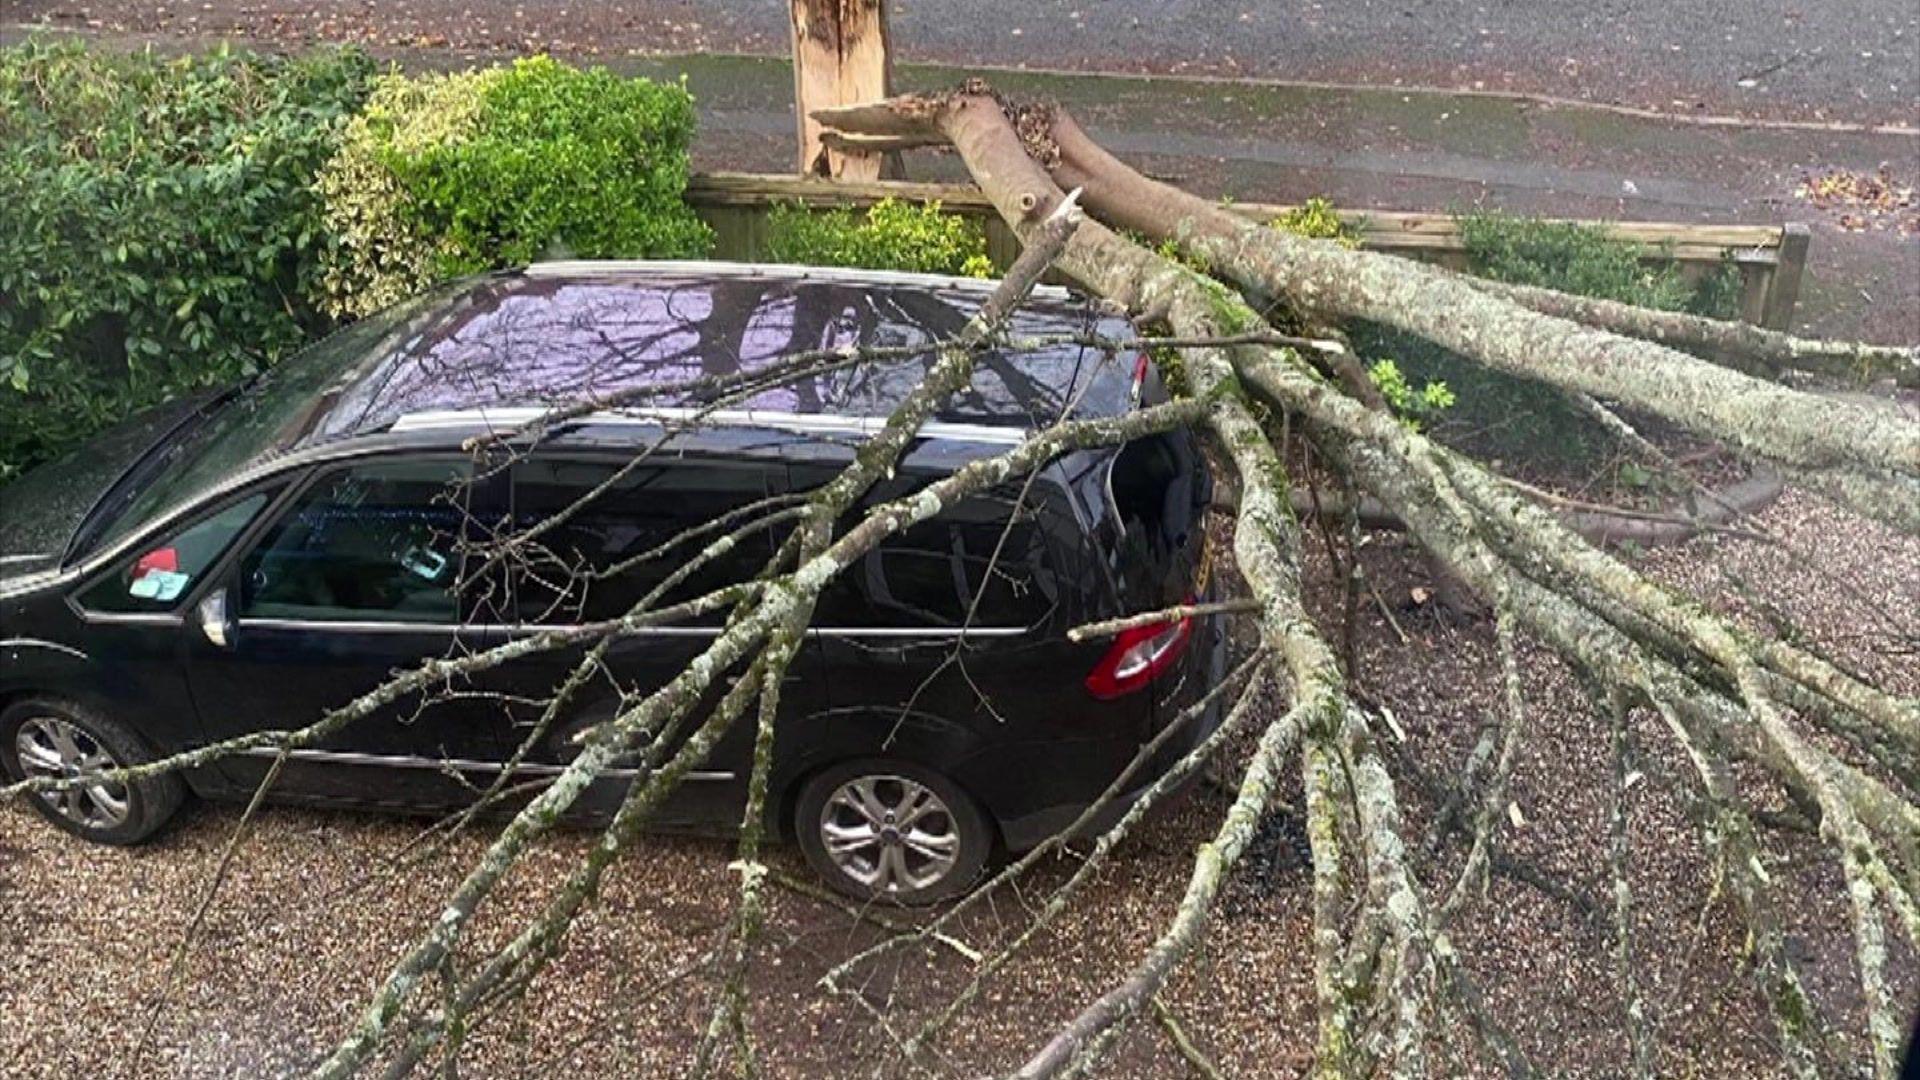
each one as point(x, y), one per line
point(1110, 627)
point(866, 913)
point(179, 960)
point(1201, 1065)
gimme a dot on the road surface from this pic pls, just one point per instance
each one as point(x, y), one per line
point(1855, 60)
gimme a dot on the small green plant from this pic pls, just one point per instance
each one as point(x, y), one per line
point(445, 175)
point(1172, 367)
point(159, 231)
point(890, 235)
point(1318, 219)
point(1717, 294)
point(1171, 250)
point(1414, 407)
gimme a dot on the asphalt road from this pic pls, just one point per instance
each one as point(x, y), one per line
point(1367, 148)
point(1856, 60)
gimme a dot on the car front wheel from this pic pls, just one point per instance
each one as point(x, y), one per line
point(893, 831)
point(42, 739)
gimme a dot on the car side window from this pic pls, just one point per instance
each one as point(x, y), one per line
point(935, 573)
point(598, 536)
point(156, 578)
point(376, 542)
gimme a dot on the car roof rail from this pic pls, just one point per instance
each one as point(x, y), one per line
point(586, 268)
point(515, 417)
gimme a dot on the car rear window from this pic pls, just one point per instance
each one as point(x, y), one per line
point(1147, 502)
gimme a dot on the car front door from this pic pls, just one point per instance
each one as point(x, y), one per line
point(358, 578)
point(136, 623)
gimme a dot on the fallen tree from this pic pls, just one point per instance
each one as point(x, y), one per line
point(1724, 693)
point(1745, 710)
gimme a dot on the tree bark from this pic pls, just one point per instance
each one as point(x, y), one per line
point(1847, 360)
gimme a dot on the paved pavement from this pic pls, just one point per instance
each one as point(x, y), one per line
point(1833, 59)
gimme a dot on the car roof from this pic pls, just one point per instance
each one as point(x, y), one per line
point(498, 350)
point(474, 355)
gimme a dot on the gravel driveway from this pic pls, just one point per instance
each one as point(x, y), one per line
point(318, 905)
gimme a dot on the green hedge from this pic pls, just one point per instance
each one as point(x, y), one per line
point(449, 174)
point(891, 235)
point(1585, 260)
point(1515, 419)
point(168, 224)
point(158, 226)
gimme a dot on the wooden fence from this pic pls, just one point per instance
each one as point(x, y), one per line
point(1771, 259)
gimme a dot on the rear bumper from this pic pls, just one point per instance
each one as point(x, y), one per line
point(1027, 831)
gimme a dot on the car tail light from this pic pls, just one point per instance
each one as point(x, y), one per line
point(1137, 657)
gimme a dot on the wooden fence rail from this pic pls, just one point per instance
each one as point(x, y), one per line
point(1771, 259)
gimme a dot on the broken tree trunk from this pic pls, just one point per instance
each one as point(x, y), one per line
point(1865, 457)
point(840, 56)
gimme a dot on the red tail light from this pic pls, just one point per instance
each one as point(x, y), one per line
point(1137, 658)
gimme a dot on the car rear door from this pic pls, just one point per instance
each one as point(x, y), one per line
point(601, 534)
point(356, 579)
point(959, 619)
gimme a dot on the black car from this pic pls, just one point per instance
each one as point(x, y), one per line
point(242, 561)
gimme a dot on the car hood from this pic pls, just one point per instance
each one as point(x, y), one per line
point(40, 510)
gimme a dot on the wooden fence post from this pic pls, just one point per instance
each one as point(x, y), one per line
point(840, 57)
point(1783, 291)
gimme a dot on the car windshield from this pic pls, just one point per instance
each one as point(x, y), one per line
point(270, 413)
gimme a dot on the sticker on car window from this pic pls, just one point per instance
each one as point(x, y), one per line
point(166, 558)
point(161, 585)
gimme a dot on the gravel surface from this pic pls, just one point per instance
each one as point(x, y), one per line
point(317, 907)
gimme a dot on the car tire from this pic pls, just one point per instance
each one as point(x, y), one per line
point(43, 737)
point(892, 831)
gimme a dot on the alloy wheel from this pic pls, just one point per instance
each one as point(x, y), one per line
point(890, 834)
point(51, 748)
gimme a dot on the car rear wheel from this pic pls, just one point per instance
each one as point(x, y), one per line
point(892, 831)
point(42, 739)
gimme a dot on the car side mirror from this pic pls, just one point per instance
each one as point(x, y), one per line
point(214, 620)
